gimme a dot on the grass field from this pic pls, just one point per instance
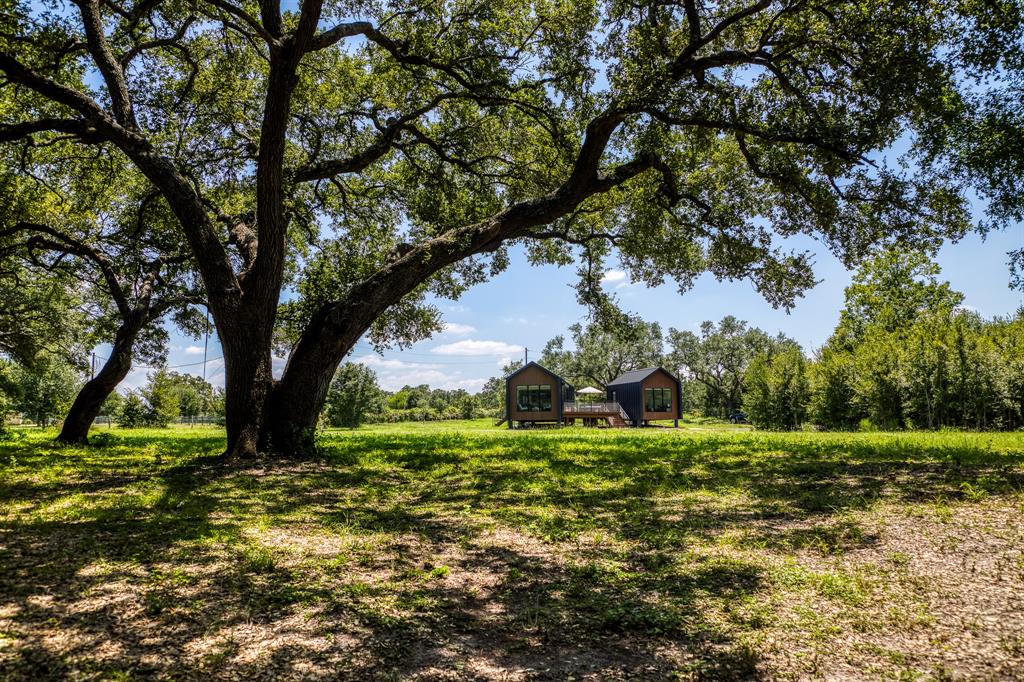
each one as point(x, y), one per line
point(461, 551)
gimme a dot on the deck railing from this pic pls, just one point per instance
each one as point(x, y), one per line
point(593, 407)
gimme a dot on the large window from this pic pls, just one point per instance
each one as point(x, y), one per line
point(535, 398)
point(658, 399)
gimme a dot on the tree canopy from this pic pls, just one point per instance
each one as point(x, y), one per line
point(718, 358)
point(604, 350)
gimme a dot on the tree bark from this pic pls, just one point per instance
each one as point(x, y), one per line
point(295, 402)
point(89, 401)
point(248, 376)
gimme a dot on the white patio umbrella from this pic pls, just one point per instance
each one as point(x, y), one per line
point(590, 390)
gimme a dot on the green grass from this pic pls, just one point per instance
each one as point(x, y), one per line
point(701, 552)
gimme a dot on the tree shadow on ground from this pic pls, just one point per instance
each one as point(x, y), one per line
point(438, 557)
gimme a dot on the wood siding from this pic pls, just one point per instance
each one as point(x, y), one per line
point(531, 376)
point(661, 379)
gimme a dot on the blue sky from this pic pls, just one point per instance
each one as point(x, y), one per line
point(525, 306)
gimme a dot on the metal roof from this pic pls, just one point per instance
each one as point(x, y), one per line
point(542, 367)
point(638, 375)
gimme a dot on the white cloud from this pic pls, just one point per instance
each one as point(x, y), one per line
point(504, 361)
point(391, 364)
point(457, 308)
point(436, 379)
point(459, 329)
point(395, 381)
point(194, 350)
point(613, 276)
point(277, 366)
point(471, 385)
point(474, 347)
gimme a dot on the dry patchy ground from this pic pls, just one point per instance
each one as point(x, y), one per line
point(483, 555)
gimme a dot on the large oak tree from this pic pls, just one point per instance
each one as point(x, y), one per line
point(331, 164)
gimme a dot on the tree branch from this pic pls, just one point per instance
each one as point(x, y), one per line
point(110, 68)
point(187, 205)
point(248, 19)
point(754, 131)
point(26, 130)
point(59, 241)
point(377, 149)
point(333, 35)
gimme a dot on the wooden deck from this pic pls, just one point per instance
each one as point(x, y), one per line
point(591, 413)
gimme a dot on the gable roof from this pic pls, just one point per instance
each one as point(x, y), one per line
point(541, 367)
point(638, 375)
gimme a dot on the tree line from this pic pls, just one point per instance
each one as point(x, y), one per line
point(355, 398)
point(311, 175)
point(906, 353)
point(44, 393)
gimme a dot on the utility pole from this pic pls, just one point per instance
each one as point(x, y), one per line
point(526, 356)
point(206, 345)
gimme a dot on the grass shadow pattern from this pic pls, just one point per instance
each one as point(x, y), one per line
point(472, 555)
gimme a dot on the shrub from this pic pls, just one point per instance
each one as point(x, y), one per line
point(162, 404)
point(133, 411)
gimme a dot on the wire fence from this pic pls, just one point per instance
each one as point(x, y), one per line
point(197, 420)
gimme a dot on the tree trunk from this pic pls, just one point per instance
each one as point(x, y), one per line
point(248, 376)
point(296, 401)
point(90, 399)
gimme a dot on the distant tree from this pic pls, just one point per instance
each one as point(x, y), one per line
point(45, 392)
point(694, 397)
point(777, 389)
point(718, 358)
point(133, 411)
point(467, 406)
point(194, 395)
point(7, 391)
point(833, 398)
point(492, 396)
point(891, 291)
point(161, 396)
point(190, 401)
point(399, 400)
point(354, 393)
point(891, 359)
point(113, 405)
point(446, 402)
point(604, 350)
point(216, 405)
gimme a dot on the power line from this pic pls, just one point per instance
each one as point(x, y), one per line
point(188, 364)
point(356, 349)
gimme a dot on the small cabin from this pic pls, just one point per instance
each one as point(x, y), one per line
point(646, 395)
point(535, 395)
